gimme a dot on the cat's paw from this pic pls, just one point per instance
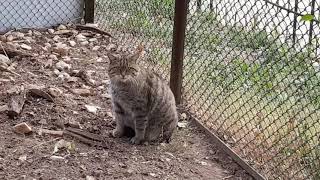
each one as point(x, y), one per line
point(116, 133)
point(136, 140)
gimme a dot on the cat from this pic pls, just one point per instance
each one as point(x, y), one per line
point(141, 100)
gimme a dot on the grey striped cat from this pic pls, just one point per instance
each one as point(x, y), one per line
point(141, 100)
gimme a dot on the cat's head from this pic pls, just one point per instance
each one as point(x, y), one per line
point(123, 67)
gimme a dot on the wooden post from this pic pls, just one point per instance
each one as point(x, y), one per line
point(180, 21)
point(89, 11)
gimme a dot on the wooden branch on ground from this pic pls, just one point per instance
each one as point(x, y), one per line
point(93, 29)
point(51, 132)
point(86, 137)
point(14, 52)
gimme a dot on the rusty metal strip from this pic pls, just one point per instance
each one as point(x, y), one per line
point(224, 147)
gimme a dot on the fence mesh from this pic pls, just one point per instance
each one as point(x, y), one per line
point(252, 76)
point(15, 14)
point(135, 22)
point(251, 72)
point(251, 68)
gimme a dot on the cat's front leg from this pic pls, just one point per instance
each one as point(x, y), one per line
point(140, 120)
point(119, 118)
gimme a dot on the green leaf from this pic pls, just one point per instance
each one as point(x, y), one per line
point(307, 17)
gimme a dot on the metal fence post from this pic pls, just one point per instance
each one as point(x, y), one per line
point(89, 11)
point(294, 33)
point(311, 23)
point(180, 21)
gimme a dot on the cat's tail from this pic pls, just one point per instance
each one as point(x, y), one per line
point(169, 129)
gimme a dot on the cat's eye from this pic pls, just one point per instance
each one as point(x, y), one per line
point(132, 69)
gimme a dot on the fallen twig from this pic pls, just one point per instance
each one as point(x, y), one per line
point(51, 132)
point(93, 29)
point(4, 68)
point(86, 137)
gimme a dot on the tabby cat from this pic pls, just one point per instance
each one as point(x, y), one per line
point(141, 100)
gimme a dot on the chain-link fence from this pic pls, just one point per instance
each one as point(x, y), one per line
point(16, 14)
point(251, 72)
point(135, 22)
point(252, 75)
point(251, 68)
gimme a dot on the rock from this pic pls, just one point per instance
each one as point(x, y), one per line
point(56, 72)
point(13, 45)
point(18, 35)
point(81, 38)
point(4, 108)
point(63, 76)
point(61, 27)
point(3, 38)
point(92, 25)
point(22, 128)
point(91, 108)
point(74, 124)
point(106, 95)
point(111, 47)
point(84, 43)
point(53, 57)
point(10, 38)
point(95, 48)
point(64, 31)
point(29, 33)
point(183, 116)
point(66, 58)
point(99, 59)
point(63, 144)
point(203, 163)
point(61, 49)
point(37, 33)
point(56, 38)
point(61, 65)
point(110, 114)
point(182, 124)
point(43, 122)
point(90, 178)
point(39, 92)
point(81, 92)
point(56, 158)
point(55, 92)
point(26, 47)
point(152, 174)
point(51, 31)
point(72, 79)
point(47, 45)
point(93, 39)
point(4, 59)
point(48, 63)
point(72, 43)
point(23, 158)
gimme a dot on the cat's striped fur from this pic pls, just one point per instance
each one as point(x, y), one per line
point(141, 100)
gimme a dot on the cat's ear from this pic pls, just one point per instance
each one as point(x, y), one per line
point(112, 57)
point(134, 57)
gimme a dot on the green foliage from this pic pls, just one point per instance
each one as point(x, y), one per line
point(307, 17)
point(252, 39)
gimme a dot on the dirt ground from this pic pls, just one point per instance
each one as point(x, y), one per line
point(81, 100)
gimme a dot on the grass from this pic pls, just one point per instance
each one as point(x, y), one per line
point(260, 95)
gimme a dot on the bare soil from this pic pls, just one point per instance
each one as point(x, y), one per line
point(189, 155)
